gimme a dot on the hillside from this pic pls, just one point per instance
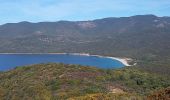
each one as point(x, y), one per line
point(74, 82)
point(125, 36)
point(145, 38)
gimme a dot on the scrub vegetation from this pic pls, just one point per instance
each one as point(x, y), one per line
point(75, 82)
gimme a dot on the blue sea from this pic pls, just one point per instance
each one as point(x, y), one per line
point(10, 61)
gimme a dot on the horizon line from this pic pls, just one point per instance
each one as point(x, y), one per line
point(82, 20)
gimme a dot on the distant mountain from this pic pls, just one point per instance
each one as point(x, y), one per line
point(144, 37)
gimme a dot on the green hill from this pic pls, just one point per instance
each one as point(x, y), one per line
point(74, 82)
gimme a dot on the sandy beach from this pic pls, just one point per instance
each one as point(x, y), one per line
point(123, 60)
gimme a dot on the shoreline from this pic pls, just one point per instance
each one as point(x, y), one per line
point(123, 60)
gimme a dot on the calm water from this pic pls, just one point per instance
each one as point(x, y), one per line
point(10, 61)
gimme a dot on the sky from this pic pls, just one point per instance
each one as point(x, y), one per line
point(12, 11)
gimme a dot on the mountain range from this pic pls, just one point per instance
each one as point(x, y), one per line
point(145, 38)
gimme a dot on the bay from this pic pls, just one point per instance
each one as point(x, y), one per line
point(10, 61)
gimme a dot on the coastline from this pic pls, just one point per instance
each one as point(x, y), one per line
point(123, 60)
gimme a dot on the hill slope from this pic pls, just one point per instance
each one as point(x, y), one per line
point(59, 81)
point(125, 36)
